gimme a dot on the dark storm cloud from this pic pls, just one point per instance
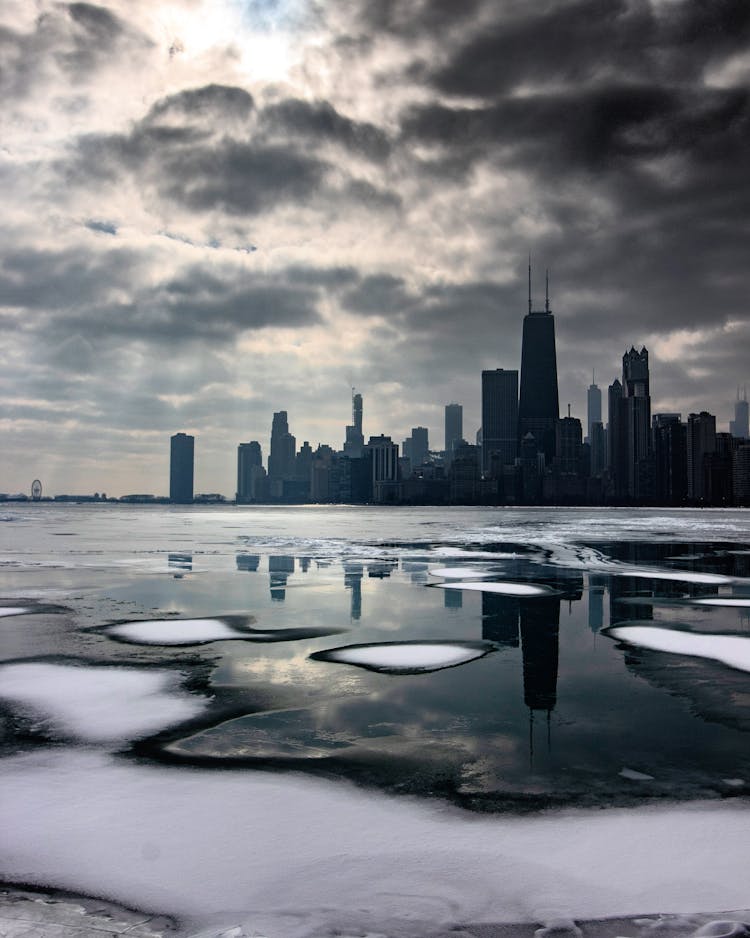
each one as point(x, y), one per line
point(580, 41)
point(207, 103)
point(105, 227)
point(320, 120)
point(72, 277)
point(201, 150)
point(411, 18)
point(78, 39)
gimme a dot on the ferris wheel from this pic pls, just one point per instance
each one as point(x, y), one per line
point(36, 490)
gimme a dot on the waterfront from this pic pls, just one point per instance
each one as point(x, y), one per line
point(231, 758)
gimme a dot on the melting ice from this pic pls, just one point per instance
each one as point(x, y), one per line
point(505, 589)
point(406, 657)
point(201, 631)
point(732, 650)
point(99, 704)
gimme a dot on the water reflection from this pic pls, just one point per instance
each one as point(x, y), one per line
point(279, 568)
point(353, 573)
point(248, 562)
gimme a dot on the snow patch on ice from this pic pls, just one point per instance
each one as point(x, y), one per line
point(281, 854)
point(635, 776)
point(723, 601)
point(681, 576)
point(200, 631)
point(98, 704)
point(406, 657)
point(731, 650)
point(506, 588)
point(13, 610)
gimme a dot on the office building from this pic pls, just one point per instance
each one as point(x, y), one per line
point(594, 408)
point(250, 472)
point(670, 458)
point(181, 466)
point(281, 459)
point(629, 437)
point(454, 429)
point(739, 426)
point(419, 448)
point(384, 455)
point(538, 407)
point(499, 419)
point(701, 441)
point(354, 442)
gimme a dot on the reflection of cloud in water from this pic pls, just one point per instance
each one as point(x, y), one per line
point(458, 573)
point(405, 657)
point(731, 650)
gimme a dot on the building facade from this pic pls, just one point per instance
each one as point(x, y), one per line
point(181, 468)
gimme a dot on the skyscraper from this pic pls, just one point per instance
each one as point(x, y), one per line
point(355, 441)
point(701, 441)
point(454, 428)
point(499, 418)
point(249, 471)
point(281, 455)
point(181, 459)
point(740, 426)
point(539, 405)
point(594, 409)
point(419, 446)
point(629, 436)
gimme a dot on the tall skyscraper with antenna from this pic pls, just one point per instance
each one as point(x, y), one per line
point(539, 406)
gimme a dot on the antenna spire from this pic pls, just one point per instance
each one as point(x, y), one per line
point(546, 291)
point(529, 282)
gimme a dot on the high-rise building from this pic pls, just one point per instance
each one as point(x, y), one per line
point(249, 472)
point(355, 441)
point(594, 407)
point(670, 458)
point(629, 437)
point(568, 445)
point(181, 462)
point(499, 418)
point(419, 447)
point(384, 454)
point(740, 426)
point(539, 406)
point(282, 454)
point(701, 441)
point(454, 428)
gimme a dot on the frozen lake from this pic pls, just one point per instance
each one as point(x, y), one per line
point(310, 721)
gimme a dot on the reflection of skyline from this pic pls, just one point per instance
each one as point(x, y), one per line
point(279, 568)
point(499, 618)
point(248, 562)
point(353, 573)
point(180, 561)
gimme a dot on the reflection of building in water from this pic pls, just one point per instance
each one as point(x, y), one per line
point(180, 561)
point(353, 573)
point(380, 569)
point(248, 562)
point(279, 568)
point(499, 619)
point(596, 601)
point(453, 599)
point(540, 624)
point(304, 564)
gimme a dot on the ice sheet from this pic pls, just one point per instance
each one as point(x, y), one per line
point(13, 610)
point(732, 650)
point(505, 589)
point(406, 656)
point(284, 855)
point(199, 631)
point(742, 601)
point(98, 704)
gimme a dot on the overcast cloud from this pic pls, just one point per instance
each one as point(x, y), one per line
point(214, 209)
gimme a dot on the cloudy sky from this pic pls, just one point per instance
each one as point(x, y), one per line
point(214, 209)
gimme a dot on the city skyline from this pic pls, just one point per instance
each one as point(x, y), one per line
point(218, 208)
